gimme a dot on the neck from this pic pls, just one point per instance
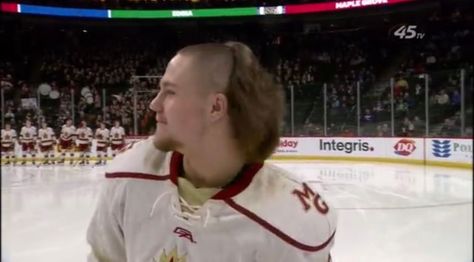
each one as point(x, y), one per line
point(215, 166)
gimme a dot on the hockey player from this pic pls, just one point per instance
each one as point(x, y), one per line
point(102, 138)
point(117, 138)
point(84, 142)
point(199, 189)
point(67, 140)
point(28, 141)
point(46, 140)
point(8, 144)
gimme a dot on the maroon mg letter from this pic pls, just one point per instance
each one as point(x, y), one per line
point(307, 196)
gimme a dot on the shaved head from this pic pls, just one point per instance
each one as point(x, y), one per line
point(213, 64)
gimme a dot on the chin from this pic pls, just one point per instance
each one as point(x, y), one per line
point(164, 144)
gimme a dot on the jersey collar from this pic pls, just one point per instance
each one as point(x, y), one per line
point(237, 185)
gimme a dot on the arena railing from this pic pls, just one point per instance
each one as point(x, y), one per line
point(427, 105)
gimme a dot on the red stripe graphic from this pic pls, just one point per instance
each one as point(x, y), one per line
point(137, 175)
point(339, 5)
point(9, 7)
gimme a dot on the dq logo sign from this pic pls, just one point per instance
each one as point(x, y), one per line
point(441, 148)
point(404, 147)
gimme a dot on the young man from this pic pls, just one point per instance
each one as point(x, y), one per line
point(84, 142)
point(198, 189)
point(47, 139)
point(66, 140)
point(8, 144)
point(28, 141)
point(117, 138)
point(102, 138)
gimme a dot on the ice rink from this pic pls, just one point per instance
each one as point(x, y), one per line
point(387, 212)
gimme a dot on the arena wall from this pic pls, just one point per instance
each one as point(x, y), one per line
point(450, 152)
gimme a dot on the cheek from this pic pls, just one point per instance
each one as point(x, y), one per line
point(188, 118)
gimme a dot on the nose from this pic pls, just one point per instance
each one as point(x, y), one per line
point(156, 104)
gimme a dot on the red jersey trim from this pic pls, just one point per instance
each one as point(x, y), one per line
point(241, 183)
point(275, 230)
point(175, 166)
point(243, 180)
point(136, 175)
point(176, 163)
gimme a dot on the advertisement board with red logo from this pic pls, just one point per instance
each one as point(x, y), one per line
point(405, 146)
point(296, 146)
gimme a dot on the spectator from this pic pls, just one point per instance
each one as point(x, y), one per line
point(448, 128)
point(408, 128)
point(368, 116)
point(378, 107)
point(10, 116)
point(456, 99)
point(402, 106)
point(379, 131)
point(386, 130)
point(419, 126)
point(442, 98)
point(347, 132)
point(400, 87)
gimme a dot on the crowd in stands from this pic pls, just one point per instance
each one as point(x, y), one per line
point(305, 64)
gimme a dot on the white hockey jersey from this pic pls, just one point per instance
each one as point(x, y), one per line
point(264, 215)
point(68, 132)
point(46, 136)
point(8, 137)
point(102, 136)
point(117, 135)
point(84, 135)
point(27, 134)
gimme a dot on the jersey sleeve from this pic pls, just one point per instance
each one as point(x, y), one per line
point(105, 234)
point(304, 232)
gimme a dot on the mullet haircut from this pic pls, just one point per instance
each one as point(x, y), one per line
point(256, 104)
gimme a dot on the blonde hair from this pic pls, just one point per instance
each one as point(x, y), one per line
point(255, 99)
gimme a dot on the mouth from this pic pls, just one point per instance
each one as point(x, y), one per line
point(160, 121)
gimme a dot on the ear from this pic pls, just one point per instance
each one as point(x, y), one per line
point(219, 106)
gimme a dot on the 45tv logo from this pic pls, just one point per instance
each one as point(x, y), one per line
point(406, 32)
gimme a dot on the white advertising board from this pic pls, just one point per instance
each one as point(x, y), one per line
point(392, 149)
point(296, 146)
point(449, 150)
point(399, 148)
point(404, 148)
point(431, 151)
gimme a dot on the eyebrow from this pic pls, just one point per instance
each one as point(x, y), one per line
point(165, 84)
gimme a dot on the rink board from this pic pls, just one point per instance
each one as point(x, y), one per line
point(428, 151)
point(450, 152)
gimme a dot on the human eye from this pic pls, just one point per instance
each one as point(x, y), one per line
point(170, 92)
